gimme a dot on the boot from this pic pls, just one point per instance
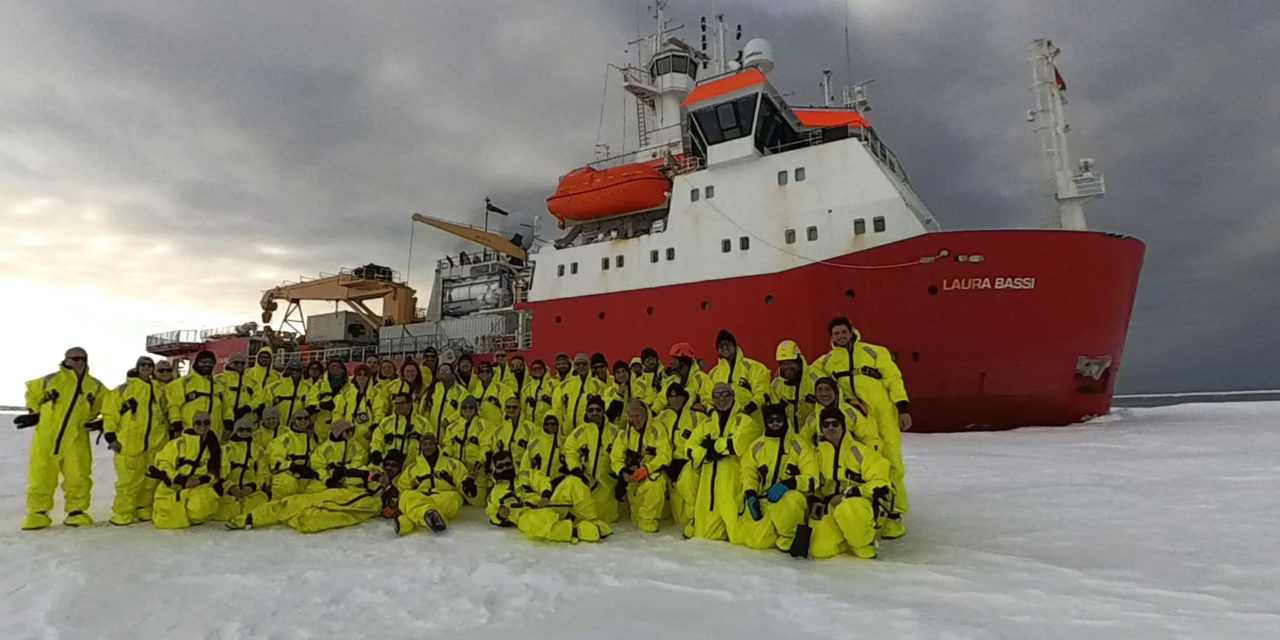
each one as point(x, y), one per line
point(893, 527)
point(78, 519)
point(37, 520)
point(123, 520)
point(435, 521)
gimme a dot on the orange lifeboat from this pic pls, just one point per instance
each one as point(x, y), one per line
point(587, 194)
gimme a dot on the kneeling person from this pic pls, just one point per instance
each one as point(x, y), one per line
point(778, 470)
point(291, 455)
point(639, 458)
point(246, 478)
point(186, 469)
point(854, 492)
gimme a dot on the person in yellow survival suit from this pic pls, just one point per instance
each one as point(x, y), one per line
point(639, 457)
point(135, 429)
point(749, 378)
point(342, 460)
point(465, 440)
point(187, 469)
point(432, 489)
point(332, 508)
point(868, 371)
point(61, 406)
point(239, 399)
point(197, 391)
point(679, 420)
point(586, 455)
point(246, 477)
point(291, 456)
point(854, 493)
point(714, 448)
point(778, 470)
point(543, 508)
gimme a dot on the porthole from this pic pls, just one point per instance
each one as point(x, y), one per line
point(710, 191)
point(725, 245)
point(744, 243)
point(600, 315)
point(604, 263)
point(618, 262)
point(790, 236)
point(860, 226)
point(849, 293)
point(573, 267)
point(649, 311)
point(877, 224)
point(671, 253)
point(768, 299)
point(782, 178)
point(558, 319)
point(811, 233)
point(705, 305)
point(653, 256)
point(915, 356)
point(799, 174)
point(693, 195)
point(933, 289)
point(559, 270)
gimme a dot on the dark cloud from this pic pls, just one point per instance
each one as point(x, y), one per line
point(196, 154)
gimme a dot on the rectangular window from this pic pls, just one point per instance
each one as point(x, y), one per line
point(671, 253)
point(782, 178)
point(560, 270)
point(573, 268)
point(711, 191)
point(725, 245)
point(693, 195)
point(860, 226)
point(744, 243)
point(799, 174)
point(877, 223)
point(790, 236)
point(811, 233)
point(653, 256)
point(617, 262)
point(604, 264)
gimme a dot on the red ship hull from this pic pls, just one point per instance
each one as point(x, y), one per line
point(982, 345)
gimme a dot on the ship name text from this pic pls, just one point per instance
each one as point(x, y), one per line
point(999, 283)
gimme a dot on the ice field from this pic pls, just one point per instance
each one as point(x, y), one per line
point(1150, 523)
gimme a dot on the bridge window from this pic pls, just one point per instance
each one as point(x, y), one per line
point(617, 262)
point(744, 243)
point(782, 177)
point(790, 236)
point(653, 256)
point(560, 270)
point(773, 132)
point(860, 226)
point(728, 120)
point(604, 263)
point(573, 268)
point(693, 195)
point(725, 245)
point(811, 233)
point(877, 223)
point(671, 253)
point(710, 190)
point(799, 174)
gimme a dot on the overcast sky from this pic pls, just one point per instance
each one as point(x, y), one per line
point(162, 163)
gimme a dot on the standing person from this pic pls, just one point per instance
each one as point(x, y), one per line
point(518, 375)
point(359, 404)
point(269, 425)
point(60, 405)
point(573, 393)
point(463, 369)
point(714, 449)
point(371, 361)
point(442, 402)
point(652, 375)
point(502, 371)
point(410, 382)
point(778, 471)
point(196, 391)
point(239, 392)
point(291, 456)
point(854, 492)
point(430, 362)
point(135, 431)
point(586, 455)
point(432, 488)
point(679, 421)
point(600, 369)
point(511, 433)
point(539, 393)
point(491, 393)
point(387, 380)
point(465, 440)
point(261, 375)
point(620, 385)
point(868, 370)
point(749, 379)
point(315, 373)
point(794, 385)
point(685, 372)
point(397, 431)
point(288, 394)
point(187, 469)
point(322, 397)
point(246, 476)
point(639, 458)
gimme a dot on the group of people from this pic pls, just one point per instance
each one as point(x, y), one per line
point(805, 458)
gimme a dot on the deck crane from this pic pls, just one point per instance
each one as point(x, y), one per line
point(355, 287)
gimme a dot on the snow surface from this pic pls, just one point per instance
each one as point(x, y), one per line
point(1150, 523)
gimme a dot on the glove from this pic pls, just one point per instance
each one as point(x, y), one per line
point(778, 490)
point(469, 487)
point(241, 412)
point(750, 407)
point(26, 420)
point(129, 405)
point(327, 405)
point(94, 425)
point(334, 482)
point(228, 425)
point(156, 474)
point(753, 507)
point(175, 428)
point(620, 491)
point(375, 457)
point(673, 470)
point(640, 474)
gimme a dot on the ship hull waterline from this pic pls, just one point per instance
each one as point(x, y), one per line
point(988, 343)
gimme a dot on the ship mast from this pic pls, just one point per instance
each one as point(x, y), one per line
point(1073, 185)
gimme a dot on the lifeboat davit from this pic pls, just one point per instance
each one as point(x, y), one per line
point(588, 194)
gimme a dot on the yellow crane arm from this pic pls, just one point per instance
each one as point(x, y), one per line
point(478, 236)
point(398, 300)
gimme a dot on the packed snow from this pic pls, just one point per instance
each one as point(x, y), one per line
point(1150, 523)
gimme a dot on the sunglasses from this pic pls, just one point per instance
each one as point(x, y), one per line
point(164, 370)
point(777, 420)
point(201, 422)
point(78, 358)
point(831, 423)
point(722, 394)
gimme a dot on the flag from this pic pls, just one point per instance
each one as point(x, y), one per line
point(1057, 79)
point(489, 206)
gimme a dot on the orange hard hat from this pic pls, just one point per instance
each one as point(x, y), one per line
point(681, 349)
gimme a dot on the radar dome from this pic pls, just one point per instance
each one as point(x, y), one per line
point(759, 54)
